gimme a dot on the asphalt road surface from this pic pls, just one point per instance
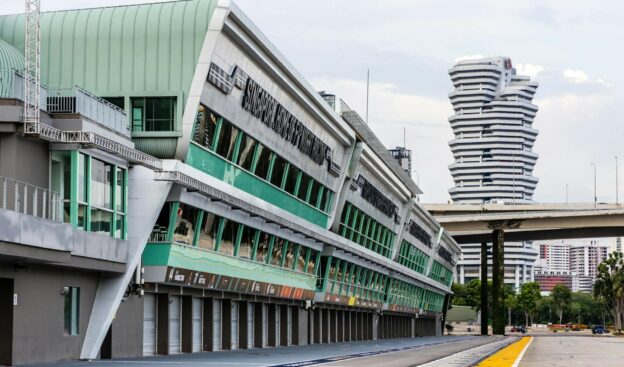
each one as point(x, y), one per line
point(573, 351)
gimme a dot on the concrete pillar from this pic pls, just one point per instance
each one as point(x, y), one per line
point(462, 278)
point(498, 269)
point(375, 326)
point(484, 289)
point(524, 278)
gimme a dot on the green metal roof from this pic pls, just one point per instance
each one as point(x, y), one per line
point(11, 60)
point(141, 50)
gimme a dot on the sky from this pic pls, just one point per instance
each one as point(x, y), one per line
point(572, 48)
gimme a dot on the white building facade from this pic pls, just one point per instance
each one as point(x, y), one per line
point(494, 134)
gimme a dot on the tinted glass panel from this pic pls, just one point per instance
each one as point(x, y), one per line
point(289, 260)
point(278, 171)
point(209, 227)
point(230, 230)
point(291, 179)
point(264, 159)
point(246, 243)
point(184, 228)
point(246, 152)
point(278, 251)
point(263, 247)
point(303, 186)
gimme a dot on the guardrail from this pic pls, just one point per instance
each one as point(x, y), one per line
point(79, 100)
point(12, 86)
point(30, 199)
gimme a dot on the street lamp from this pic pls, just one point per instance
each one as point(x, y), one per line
point(595, 197)
point(617, 190)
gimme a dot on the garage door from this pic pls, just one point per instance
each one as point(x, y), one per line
point(197, 324)
point(174, 324)
point(149, 324)
point(216, 325)
point(234, 325)
point(265, 325)
point(250, 325)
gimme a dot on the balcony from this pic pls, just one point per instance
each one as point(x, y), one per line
point(81, 101)
point(29, 199)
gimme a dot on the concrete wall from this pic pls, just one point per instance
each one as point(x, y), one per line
point(127, 329)
point(15, 151)
point(38, 318)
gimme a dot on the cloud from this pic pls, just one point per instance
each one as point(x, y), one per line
point(531, 70)
point(575, 76)
point(469, 57)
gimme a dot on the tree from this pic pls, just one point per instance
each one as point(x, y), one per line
point(459, 294)
point(561, 298)
point(609, 287)
point(527, 299)
point(511, 304)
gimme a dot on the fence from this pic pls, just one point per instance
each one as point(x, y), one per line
point(12, 86)
point(30, 199)
point(79, 100)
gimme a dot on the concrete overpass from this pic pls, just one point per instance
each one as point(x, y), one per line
point(474, 223)
point(495, 223)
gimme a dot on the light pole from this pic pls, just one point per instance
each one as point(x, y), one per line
point(617, 190)
point(595, 197)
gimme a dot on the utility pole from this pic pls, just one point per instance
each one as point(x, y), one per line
point(367, 92)
point(617, 190)
point(595, 197)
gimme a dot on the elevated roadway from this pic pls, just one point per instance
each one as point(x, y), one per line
point(474, 223)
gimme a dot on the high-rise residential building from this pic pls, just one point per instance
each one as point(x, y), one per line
point(187, 190)
point(492, 148)
point(555, 257)
point(493, 132)
point(585, 257)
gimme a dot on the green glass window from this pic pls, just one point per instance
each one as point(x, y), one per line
point(71, 310)
point(289, 256)
point(264, 161)
point(229, 233)
point(364, 230)
point(184, 228)
point(277, 173)
point(246, 152)
point(208, 232)
point(153, 113)
point(264, 244)
point(226, 145)
point(278, 251)
point(246, 242)
point(205, 127)
point(304, 184)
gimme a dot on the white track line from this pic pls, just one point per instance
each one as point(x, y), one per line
point(517, 362)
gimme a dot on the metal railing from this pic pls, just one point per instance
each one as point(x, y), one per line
point(29, 199)
point(79, 100)
point(12, 86)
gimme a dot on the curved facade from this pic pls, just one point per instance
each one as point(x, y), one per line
point(494, 134)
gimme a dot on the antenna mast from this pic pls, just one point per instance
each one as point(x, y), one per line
point(32, 58)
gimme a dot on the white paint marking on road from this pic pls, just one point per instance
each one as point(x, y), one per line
point(517, 362)
point(469, 356)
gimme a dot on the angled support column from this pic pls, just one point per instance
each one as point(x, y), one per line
point(145, 200)
point(484, 290)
